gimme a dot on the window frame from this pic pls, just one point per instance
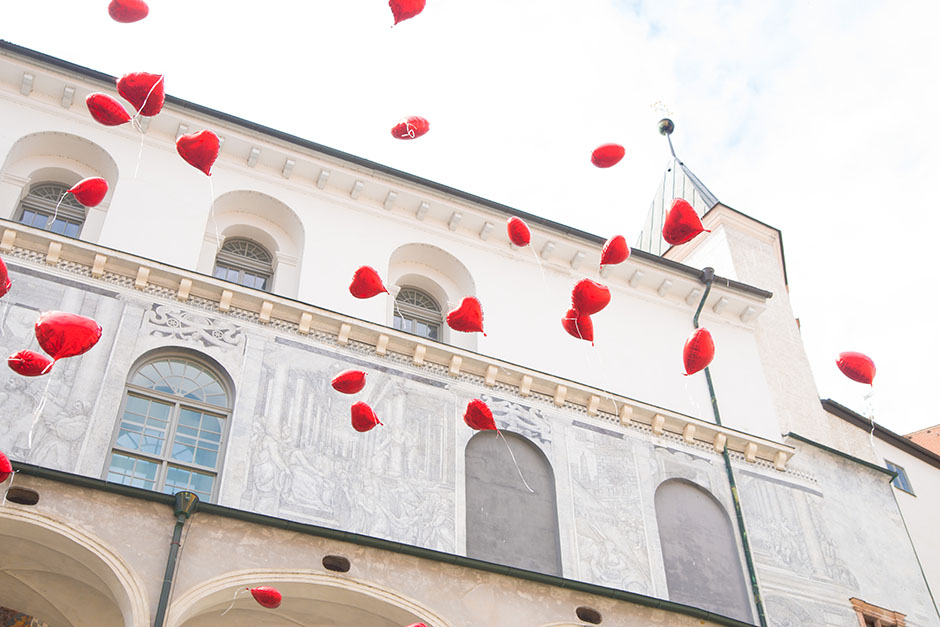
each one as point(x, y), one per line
point(901, 479)
point(879, 616)
point(244, 264)
point(164, 460)
point(70, 210)
point(415, 313)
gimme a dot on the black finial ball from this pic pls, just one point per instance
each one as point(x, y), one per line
point(666, 126)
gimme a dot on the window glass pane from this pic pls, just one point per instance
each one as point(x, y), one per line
point(182, 479)
point(72, 229)
point(197, 438)
point(132, 471)
point(219, 272)
point(433, 332)
point(143, 425)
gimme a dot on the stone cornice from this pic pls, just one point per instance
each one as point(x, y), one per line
point(122, 270)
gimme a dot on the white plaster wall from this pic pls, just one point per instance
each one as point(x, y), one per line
point(921, 510)
point(160, 210)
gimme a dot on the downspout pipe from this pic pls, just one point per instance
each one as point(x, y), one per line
point(707, 277)
point(184, 506)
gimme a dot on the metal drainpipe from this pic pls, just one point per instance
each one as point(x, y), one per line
point(707, 276)
point(183, 508)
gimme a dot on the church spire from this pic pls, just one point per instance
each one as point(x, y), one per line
point(677, 181)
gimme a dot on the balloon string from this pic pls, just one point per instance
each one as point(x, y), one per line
point(215, 223)
point(147, 99)
point(140, 150)
point(3, 497)
point(515, 463)
point(55, 213)
point(870, 410)
point(234, 598)
point(541, 269)
point(37, 413)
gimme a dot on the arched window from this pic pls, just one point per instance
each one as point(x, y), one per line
point(417, 313)
point(506, 523)
point(700, 552)
point(39, 206)
point(244, 262)
point(172, 428)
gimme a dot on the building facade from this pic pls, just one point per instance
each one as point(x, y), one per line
point(618, 491)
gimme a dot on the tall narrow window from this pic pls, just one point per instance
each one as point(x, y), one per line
point(172, 428)
point(700, 552)
point(506, 523)
point(417, 313)
point(244, 262)
point(38, 209)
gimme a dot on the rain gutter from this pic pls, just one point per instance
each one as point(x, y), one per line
point(385, 545)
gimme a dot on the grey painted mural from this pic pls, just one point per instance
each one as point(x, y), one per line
point(307, 463)
point(292, 453)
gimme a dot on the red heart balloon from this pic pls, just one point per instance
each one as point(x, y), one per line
point(363, 418)
point(698, 352)
point(266, 596)
point(682, 223)
point(29, 363)
point(579, 326)
point(143, 90)
point(417, 625)
point(607, 155)
point(615, 251)
point(90, 192)
point(479, 417)
point(106, 110)
point(366, 283)
point(127, 11)
point(6, 468)
point(857, 366)
point(405, 9)
point(411, 128)
point(468, 317)
point(589, 297)
point(63, 334)
point(349, 381)
point(199, 150)
point(518, 232)
point(5, 282)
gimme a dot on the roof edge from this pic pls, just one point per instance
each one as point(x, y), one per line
point(882, 433)
point(843, 455)
point(378, 167)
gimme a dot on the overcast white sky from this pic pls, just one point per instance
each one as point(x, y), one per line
point(819, 118)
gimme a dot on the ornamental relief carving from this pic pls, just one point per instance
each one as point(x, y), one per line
point(193, 327)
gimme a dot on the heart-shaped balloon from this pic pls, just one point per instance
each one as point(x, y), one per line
point(698, 352)
point(589, 297)
point(405, 9)
point(417, 625)
point(615, 251)
point(366, 283)
point(199, 150)
point(143, 90)
point(5, 282)
point(468, 317)
point(857, 366)
point(579, 326)
point(266, 596)
point(62, 334)
point(363, 418)
point(349, 381)
point(127, 11)
point(411, 128)
point(682, 223)
point(6, 468)
point(479, 417)
point(518, 232)
point(90, 192)
point(607, 155)
point(106, 110)
point(29, 363)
